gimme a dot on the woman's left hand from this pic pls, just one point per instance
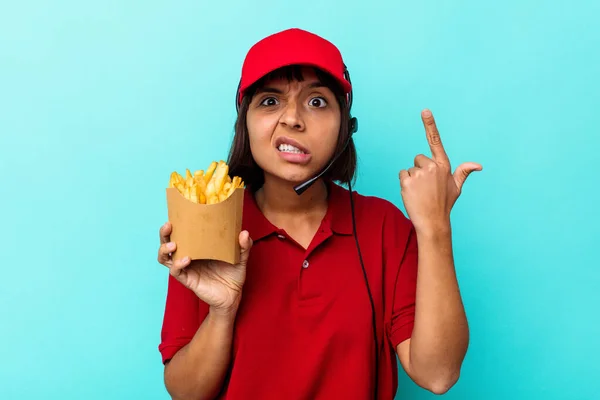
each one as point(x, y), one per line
point(429, 189)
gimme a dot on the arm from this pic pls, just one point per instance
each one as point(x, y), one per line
point(434, 355)
point(197, 370)
point(202, 302)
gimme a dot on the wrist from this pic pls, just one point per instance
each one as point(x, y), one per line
point(434, 229)
point(225, 314)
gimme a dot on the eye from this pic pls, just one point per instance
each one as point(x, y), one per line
point(318, 102)
point(269, 101)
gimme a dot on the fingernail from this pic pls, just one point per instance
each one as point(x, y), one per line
point(171, 246)
point(427, 113)
point(185, 259)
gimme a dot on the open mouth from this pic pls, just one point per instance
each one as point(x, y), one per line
point(287, 145)
point(288, 148)
point(292, 151)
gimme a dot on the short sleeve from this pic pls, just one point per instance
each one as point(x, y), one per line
point(405, 286)
point(184, 312)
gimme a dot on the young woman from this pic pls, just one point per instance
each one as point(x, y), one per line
point(331, 286)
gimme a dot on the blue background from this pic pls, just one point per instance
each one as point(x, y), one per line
point(100, 101)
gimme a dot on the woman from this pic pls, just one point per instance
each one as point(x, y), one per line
point(331, 287)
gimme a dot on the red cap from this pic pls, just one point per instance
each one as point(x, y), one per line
point(292, 47)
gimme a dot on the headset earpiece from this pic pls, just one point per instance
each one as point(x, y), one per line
point(353, 128)
point(353, 125)
point(237, 97)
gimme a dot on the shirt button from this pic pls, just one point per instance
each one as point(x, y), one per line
point(305, 264)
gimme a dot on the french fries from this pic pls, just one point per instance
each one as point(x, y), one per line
point(210, 187)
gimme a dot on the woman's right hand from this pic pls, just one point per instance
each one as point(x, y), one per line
point(217, 283)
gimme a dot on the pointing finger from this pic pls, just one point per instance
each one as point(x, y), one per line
point(433, 138)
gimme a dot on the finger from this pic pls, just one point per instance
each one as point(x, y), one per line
point(165, 232)
point(412, 171)
point(421, 161)
point(404, 175)
point(245, 245)
point(433, 137)
point(463, 171)
point(164, 252)
point(179, 266)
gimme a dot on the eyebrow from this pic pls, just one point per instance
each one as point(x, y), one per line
point(315, 85)
point(269, 90)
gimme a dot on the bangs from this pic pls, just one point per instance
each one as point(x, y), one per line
point(294, 73)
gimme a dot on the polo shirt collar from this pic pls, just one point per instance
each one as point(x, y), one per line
point(338, 217)
point(338, 209)
point(253, 219)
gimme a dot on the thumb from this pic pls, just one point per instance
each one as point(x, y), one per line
point(463, 171)
point(245, 246)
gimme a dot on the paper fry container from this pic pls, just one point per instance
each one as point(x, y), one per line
point(206, 231)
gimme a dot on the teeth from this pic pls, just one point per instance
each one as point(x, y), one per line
point(288, 148)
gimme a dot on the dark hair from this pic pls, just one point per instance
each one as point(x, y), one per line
point(240, 160)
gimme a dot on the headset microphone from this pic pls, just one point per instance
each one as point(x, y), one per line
point(299, 189)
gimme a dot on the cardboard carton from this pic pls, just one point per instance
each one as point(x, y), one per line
point(206, 231)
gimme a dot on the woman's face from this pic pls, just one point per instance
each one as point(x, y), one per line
point(293, 127)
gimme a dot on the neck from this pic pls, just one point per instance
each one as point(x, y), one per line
point(278, 197)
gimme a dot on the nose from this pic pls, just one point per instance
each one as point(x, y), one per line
point(292, 117)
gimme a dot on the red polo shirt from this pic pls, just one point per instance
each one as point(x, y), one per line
point(303, 328)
